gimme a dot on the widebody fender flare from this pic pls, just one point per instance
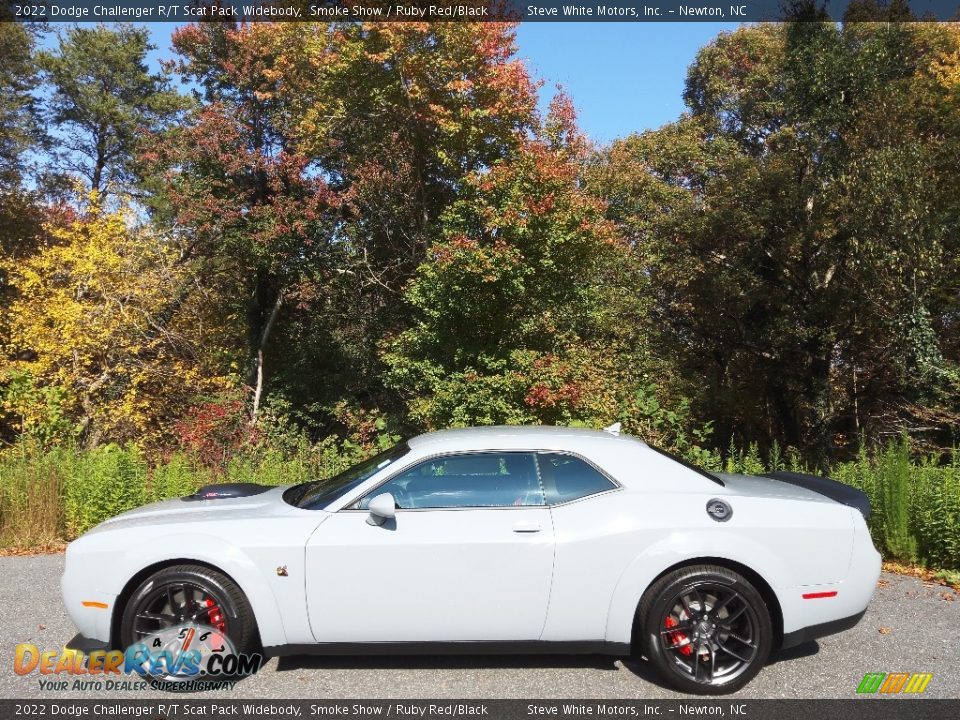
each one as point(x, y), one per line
point(683, 549)
point(217, 553)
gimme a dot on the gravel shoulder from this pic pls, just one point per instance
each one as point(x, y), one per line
point(911, 626)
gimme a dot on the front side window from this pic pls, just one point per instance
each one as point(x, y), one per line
point(468, 480)
point(567, 478)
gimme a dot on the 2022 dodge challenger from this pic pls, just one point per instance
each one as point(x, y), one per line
point(495, 539)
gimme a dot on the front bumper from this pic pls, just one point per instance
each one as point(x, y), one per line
point(86, 598)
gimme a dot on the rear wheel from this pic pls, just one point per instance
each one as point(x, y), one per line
point(706, 629)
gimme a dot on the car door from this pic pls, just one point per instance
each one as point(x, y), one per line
point(468, 557)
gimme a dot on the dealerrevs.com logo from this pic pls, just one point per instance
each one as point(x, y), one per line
point(894, 683)
point(179, 658)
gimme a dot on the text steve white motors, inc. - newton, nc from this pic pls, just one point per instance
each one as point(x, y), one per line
point(641, 709)
point(641, 12)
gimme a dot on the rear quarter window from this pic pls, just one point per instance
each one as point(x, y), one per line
point(566, 478)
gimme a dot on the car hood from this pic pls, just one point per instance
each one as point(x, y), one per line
point(198, 510)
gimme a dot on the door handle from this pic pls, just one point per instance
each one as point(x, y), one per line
point(526, 527)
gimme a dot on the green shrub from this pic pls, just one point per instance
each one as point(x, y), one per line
point(177, 476)
point(105, 481)
point(935, 513)
point(894, 474)
point(916, 504)
point(745, 462)
point(269, 468)
point(56, 494)
point(51, 495)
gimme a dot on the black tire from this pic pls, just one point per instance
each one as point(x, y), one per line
point(705, 628)
point(239, 622)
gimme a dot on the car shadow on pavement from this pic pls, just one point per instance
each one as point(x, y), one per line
point(637, 665)
point(428, 662)
point(811, 647)
point(643, 669)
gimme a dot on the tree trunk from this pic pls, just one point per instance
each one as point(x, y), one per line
point(261, 318)
point(100, 162)
point(819, 393)
point(785, 414)
point(88, 428)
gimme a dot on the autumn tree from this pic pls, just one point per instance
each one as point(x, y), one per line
point(103, 101)
point(397, 115)
point(798, 228)
point(92, 350)
point(316, 172)
point(254, 213)
point(523, 307)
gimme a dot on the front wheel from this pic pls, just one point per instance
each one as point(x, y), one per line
point(189, 604)
point(706, 629)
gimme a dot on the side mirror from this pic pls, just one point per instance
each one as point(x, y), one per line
point(382, 508)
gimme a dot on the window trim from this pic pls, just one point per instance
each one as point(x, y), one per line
point(617, 486)
point(688, 465)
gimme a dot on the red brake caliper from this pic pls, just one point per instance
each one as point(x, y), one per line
point(215, 616)
point(677, 637)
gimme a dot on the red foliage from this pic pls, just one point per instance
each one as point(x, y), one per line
point(561, 126)
point(561, 386)
point(540, 206)
point(214, 430)
point(542, 395)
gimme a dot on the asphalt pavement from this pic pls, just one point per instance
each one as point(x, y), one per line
point(911, 626)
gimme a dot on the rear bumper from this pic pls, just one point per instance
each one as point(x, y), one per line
point(813, 632)
point(811, 611)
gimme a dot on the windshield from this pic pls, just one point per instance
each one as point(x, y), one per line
point(320, 493)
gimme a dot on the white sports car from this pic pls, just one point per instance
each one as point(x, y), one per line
point(495, 539)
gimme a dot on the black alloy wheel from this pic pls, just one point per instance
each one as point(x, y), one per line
point(189, 594)
point(706, 629)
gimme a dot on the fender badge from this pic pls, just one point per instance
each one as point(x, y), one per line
point(719, 510)
point(282, 571)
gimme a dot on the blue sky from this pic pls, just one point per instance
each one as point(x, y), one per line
point(623, 77)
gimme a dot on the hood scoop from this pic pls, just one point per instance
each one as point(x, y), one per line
point(227, 490)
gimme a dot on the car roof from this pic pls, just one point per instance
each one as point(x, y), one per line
point(513, 436)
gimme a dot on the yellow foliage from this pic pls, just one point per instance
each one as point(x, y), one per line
point(947, 70)
point(104, 314)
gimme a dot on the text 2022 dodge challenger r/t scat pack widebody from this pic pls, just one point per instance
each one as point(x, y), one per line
point(495, 539)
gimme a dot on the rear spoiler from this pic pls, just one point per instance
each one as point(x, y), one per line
point(832, 489)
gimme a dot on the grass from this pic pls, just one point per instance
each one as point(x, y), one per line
point(32, 498)
point(48, 497)
point(916, 505)
point(51, 496)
